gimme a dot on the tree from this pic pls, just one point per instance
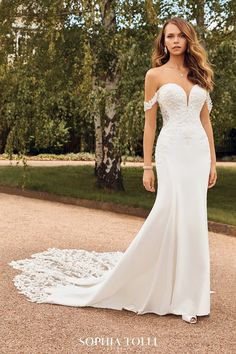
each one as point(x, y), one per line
point(72, 74)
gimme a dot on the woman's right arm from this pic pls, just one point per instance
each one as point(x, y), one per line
point(149, 130)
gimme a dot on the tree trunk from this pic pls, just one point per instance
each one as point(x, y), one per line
point(98, 141)
point(109, 170)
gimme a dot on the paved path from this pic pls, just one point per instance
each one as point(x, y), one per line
point(29, 226)
point(92, 163)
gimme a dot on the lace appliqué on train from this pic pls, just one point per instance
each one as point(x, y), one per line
point(61, 267)
point(148, 105)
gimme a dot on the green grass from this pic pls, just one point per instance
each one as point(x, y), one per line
point(222, 197)
point(79, 182)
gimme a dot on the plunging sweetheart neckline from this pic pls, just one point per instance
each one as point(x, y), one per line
point(186, 95)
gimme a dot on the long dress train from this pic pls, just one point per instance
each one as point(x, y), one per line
point(166, 268)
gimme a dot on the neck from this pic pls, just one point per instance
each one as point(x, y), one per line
point(177, 62)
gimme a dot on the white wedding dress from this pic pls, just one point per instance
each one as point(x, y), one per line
point(166, 268)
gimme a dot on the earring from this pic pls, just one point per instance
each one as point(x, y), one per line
point(165, 50)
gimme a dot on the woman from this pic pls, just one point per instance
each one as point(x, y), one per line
point(165, 269)
point(184, 154)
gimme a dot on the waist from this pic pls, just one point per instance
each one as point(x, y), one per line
point(183, 134)
point(183, 128)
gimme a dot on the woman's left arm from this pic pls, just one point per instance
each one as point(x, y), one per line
point(206, 122)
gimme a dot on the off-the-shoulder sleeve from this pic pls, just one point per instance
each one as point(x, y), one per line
point(148, 105)
point(209, 102)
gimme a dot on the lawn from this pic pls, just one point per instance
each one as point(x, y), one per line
point(79, 182)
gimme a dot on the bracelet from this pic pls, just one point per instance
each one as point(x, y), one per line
point(148, 167)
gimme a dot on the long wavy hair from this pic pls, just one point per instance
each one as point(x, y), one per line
point(196, 58)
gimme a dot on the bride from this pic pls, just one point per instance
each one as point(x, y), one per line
point(166, 268)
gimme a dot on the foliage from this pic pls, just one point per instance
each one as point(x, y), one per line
point(48, 97)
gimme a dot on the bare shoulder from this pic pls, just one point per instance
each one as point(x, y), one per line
point(151, 83)
point(154, 76)
point(153, 73)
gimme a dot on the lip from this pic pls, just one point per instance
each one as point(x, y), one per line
point(176, 47)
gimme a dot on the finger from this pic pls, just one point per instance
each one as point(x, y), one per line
point(212, 184)
point(146, 185)
point(153, 188)
point(211, 178)
point(211, 181)
point(149, 185)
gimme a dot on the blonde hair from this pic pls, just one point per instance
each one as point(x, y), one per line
point(196, 58)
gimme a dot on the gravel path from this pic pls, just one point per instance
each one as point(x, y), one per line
point(29, 226)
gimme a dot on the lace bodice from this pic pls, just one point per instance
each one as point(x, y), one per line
point(175, 103)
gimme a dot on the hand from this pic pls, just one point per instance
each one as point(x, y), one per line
point(212, 176)
point(148, 180)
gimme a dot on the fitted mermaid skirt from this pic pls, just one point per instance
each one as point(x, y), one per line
point(166, 268)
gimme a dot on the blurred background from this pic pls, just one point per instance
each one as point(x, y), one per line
point(72, 72)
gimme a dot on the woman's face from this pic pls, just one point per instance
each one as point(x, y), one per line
point(175, 38)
